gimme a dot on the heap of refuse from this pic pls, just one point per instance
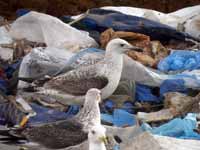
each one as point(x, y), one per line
point(157, 99)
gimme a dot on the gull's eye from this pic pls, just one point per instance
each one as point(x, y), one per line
point(122, 45)
point(93, 132)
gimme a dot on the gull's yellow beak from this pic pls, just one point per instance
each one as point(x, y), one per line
point(104, 139)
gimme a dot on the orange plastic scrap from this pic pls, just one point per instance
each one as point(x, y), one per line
point(143, 58)
point(136, 39)
point(24, 121)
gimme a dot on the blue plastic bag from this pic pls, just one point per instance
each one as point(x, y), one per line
point(172, 85)
point(180, 60)
point(144, 94)
point(21, 12)
point(119, 118)
point(179, 128)
point(46, 115)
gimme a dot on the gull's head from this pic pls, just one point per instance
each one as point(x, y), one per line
point(121, 46)
point(94, 94)
point(97, 134)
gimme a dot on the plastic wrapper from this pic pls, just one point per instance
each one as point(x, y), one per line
point(119, 118)
point(180, 60)
point(42, 28)
point(179, 128)
point(4, 36)
point(41, 62)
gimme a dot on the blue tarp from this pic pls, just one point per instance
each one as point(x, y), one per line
point(8, 71)
point(45, 115)
point(180, 60)
point(172, 85)
point(4, 86)
point(100, 20)
point(119, 118)
point(179, 128)
point(109, 105)
point(144, 93)
point(21, 12)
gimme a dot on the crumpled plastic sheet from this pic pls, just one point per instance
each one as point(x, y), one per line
point(180, 60)
point(9, 114)
point(135, 71)
point(11, 68)
point(179, 128)
point(47, 115)
point(3, 86)
point(119, 118)
point(172, 85)
point(4, 36)
point(145, 93)
point(43, 28)
point(6, 74)
point(43, 61)
point(100, 20)
point(188, 17)
point(109, 106)
point(21, 12)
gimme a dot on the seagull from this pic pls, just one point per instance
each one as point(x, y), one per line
point(67, 132)
point(97, 140)
point(70, 87)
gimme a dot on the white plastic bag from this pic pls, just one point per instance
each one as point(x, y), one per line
point(6, 54)
point(38, 27)
point(4, 36)
point(42, 61)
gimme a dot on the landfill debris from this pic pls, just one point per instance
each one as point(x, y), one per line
point(146, 141)
point(4, 36)
point(162, 115)
point(175, 104)
point(180, 60)
point(21, 47)
point(6, 54)
point(42, 61)
point(136, 39)
point(112, 19)
point(120, 118)
point(126, 135)
point(158, 90)
point(38, 27)
point(185, 19)
point(179, 128)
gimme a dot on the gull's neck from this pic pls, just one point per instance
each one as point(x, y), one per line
point(113, 57)
point(97, 146)
point(89, 115)
point(114, 64)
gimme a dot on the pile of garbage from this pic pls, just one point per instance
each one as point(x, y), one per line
point(157, 99)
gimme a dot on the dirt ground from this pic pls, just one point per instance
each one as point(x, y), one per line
point(74, 7)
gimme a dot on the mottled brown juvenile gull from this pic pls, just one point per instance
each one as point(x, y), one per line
point(70, 87)
point(68, 132)
point(97, 140)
